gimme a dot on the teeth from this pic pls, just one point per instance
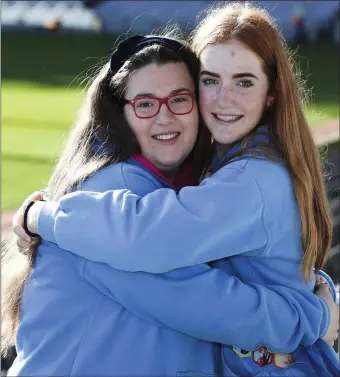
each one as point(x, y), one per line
point(166, 136)
point(227, 117)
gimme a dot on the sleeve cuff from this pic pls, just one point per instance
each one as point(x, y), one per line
point(46, 221)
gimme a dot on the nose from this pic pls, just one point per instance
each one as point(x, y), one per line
point(225, 95)
point(164, 116)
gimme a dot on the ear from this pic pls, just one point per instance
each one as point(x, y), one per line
point(270, 101)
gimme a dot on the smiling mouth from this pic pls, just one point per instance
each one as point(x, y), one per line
point(166, 136)
point(227, 118)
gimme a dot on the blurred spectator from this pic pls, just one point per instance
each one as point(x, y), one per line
point(298, 20)
point(92, 3)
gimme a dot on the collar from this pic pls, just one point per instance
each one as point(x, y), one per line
point(260, 137)
point(184, 177)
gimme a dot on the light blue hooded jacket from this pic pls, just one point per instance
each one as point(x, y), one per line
point(245, 217)
point(84, 318)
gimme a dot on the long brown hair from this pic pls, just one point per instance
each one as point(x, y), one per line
point(99, 137)
point(290, 132)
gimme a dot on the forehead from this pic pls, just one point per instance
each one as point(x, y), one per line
point(159, 80)
point(230, 57)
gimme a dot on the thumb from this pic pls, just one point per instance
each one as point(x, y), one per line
point(322, 287)
point(37, 195)
point(319, 280)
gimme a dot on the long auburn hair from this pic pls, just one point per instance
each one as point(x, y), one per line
point(100, 136)
point(291, 135)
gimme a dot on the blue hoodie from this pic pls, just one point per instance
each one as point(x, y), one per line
point(236, 213)
point(82, 318)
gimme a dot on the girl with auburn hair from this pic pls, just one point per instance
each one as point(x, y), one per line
point(261, 215)
point(291, 136)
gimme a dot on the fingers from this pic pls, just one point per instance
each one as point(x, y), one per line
point(322, 289)
point(25, 247)
point(320, 280)
point(23, 241)
point(24, 251)
point(21, 234)
point(37, 195)
point(18, 218)
point(23, 244)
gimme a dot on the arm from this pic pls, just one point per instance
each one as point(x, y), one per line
point(163, 230)
point(207, 304)
point(48, 312)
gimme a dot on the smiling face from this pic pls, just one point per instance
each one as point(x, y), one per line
point(165, 139)
point(233, 91)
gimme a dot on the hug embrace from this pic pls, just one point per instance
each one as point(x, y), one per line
point(185, 226)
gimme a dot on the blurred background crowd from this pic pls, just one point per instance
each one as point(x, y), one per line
point(49, 48)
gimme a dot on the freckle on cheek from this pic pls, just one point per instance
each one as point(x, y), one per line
point(207, 99)
point(232, 53)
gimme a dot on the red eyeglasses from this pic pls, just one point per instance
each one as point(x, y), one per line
point(148, 107)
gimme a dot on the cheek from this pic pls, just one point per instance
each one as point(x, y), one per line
point(206, 105)
point(207, 97)
point(140, 127)
point(191, 122)
point(253, 102)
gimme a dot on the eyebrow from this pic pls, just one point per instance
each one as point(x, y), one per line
point(235, 76)
point(175, 91)
point(209, 74)
point(246, 74)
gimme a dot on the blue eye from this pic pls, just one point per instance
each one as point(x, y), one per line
point(209, 81)
point(245, 83)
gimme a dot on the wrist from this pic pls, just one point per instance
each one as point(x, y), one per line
point(31, 217)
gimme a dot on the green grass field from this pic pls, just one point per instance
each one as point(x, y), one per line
point(42, 89)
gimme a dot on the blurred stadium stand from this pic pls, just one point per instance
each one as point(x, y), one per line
point(316, 19)
point(64, 15)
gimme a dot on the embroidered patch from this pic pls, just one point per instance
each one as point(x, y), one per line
point(262, 356)
point(283, 360)
point(241, 353)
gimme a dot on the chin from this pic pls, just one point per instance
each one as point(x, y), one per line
point(222, 139)
point(171, 164)
point(175, 159)
point(229, 137)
